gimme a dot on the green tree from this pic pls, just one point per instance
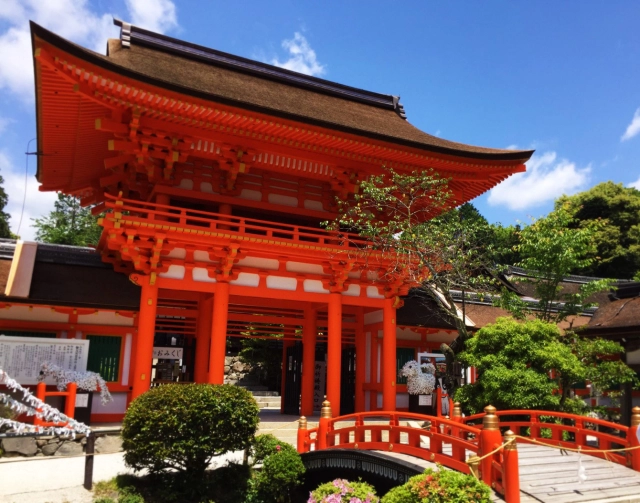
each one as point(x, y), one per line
point(68, 224)
point(552, 248)
point(410, 219)
point(617, 243)
point(5, 230)
point(514, 361)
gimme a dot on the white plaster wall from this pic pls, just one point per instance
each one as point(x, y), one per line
point(633, 357)
point(373, 293)
point(202, 275)
point(105, 318)
point(352, 291)
point(33, 314)
point(283, 200)
point(314, 286)
point(246, 279)
point(201, 256)
point(282, 283)
point(251, 195)
point(179, 253)
point(269, 264)
point(301, 267)
point(117, 406)
point(313, 205)
point(174, 272)
point(402, 400)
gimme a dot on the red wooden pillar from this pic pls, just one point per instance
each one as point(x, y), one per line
point(361, 352)
point(633, 436)
point(389, 356)
point(203, 337)
point(218, 347)
point(334, 350)
point(144, 340)
point(309, 335)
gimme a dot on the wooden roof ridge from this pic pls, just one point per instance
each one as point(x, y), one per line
point(308, 100)
point(131, 34)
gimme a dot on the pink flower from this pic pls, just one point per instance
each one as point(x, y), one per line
point(277, 448)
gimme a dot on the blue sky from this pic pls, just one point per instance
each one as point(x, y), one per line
point(560, 77)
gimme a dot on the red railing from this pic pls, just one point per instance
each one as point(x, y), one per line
point(494, 459)
point(140, 214)
point(592, 436)
point(437, 439)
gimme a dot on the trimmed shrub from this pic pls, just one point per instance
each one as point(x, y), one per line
point(281, 472)
point(347, 492)
point(266, 444)
point(181, 427)
point(440, 486)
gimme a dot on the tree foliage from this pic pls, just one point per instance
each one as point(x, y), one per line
point(68, 224)
point(181, 427)
point(552, 248)
point(617, 244)
point(514, 361)
point(410, 219)
point(5, 230)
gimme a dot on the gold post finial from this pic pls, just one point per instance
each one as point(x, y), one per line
point(457, 410)
point(302, 423)
point(326, 409)
point(490, 420)
point(635, 416)
point(509, 439)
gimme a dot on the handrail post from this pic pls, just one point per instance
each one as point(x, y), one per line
point(489, 438)
point(41, 392)
point(456, 416)
point(323, 425)
point(633, 436)
point(70, 402)
point(510, 471)
point(302, 435)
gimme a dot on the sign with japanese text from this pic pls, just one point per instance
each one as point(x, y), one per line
point(170, 353)
point(22, 357)
point(319, 375)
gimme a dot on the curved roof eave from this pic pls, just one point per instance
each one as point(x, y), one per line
point(91, 57)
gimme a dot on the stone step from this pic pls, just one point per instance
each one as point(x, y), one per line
point(265, 393)
point(264, 399)
point(269, 405)
point(253, 388)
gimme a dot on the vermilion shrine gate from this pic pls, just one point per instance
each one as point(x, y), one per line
point(215, 173)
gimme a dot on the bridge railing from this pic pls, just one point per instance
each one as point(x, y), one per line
point(450, 442)
point(595, 437)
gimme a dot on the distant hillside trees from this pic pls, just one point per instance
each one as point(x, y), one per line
point(618, 241)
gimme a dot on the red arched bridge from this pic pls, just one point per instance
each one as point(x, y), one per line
point(476, 444)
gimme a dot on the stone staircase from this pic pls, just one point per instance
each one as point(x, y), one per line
point(266, 399)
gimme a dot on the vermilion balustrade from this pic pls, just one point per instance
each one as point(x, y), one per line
point(171, 218)
point(494, 458)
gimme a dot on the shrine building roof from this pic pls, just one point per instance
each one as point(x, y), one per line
point(204, 73)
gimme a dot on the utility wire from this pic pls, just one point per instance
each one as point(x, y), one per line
point(26, 172)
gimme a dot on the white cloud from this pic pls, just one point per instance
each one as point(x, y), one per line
point(302, 58)
point(37, 203)
point(154, 15)
point(71, 19)
point(632, 129)
point(635, 185)
point(546, 179)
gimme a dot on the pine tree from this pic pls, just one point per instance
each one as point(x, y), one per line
point(68, 224)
